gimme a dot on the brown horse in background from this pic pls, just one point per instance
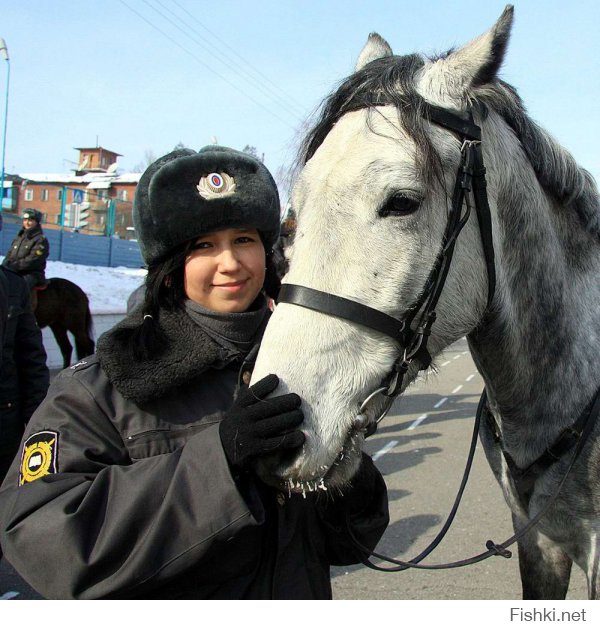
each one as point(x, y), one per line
point(64, 307)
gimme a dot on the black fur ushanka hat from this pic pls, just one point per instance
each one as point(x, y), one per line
point(185, 194)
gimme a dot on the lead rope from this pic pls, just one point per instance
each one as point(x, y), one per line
point(493, 549)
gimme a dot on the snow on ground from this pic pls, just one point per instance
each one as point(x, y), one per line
point(106, 287)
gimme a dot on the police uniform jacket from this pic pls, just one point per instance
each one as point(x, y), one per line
point(137, 498)
point(3, 308)
point(23, 372)
point(28, 252)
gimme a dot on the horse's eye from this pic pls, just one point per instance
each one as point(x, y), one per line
point(399, 206)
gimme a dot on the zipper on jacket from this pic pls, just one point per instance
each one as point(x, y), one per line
point(151, 431)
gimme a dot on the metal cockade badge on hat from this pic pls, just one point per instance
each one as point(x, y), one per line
point(216, 185)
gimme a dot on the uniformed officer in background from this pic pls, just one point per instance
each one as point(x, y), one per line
point(29, 251)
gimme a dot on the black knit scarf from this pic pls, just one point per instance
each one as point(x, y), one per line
point(234, 331)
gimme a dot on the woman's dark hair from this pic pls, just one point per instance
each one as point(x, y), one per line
point(164, 288)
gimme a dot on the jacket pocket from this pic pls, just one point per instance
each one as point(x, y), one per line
point(160, 440)
point(14, 310)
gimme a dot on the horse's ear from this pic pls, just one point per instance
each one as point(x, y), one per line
point(478, 61)
point(375, 48)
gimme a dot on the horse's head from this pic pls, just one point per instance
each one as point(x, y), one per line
point(372, 205)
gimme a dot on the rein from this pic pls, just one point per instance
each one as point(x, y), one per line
point(582, 428)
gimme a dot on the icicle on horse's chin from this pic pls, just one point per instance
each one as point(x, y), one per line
point(372, 205)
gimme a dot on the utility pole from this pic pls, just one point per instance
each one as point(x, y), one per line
point(4, 53)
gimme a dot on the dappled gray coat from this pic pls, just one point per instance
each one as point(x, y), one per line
point(143, 502)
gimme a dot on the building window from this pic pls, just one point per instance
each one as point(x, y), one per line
point(28, 194)
point(123, 195)
point(59, 194)
point(45, 194)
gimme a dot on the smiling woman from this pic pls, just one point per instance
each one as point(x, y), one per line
point(154, 442)
point(225, 270)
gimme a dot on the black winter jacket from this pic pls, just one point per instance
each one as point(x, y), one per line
point(23, 372)
point(3, 309)
point(28, 252)
point(141, 501)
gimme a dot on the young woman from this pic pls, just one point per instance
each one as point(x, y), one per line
point(135, 476)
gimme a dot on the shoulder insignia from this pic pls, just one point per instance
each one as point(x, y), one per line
point(78, 365)
point(39, 456)
point(39, 252)
point(77, 368)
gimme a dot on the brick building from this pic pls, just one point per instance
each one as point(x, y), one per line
point(95, 160)
point(95, 199)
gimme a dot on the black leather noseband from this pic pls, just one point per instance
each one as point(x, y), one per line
point(343, 308)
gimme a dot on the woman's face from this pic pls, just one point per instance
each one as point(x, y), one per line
point(225, 270)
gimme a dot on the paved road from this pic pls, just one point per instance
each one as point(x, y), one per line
point(421, 448)
point(428, 434)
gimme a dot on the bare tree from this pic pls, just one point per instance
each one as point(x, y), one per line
point(250, 150)
point(149, 157)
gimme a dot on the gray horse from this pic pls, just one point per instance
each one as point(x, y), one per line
point(372, 203)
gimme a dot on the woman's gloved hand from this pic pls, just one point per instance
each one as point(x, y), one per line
point(254, 427)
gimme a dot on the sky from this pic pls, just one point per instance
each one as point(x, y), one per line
point(140, 76)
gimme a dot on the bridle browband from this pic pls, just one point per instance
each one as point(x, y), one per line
point(412, 332)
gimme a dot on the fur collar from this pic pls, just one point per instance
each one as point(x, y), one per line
point(189, 353)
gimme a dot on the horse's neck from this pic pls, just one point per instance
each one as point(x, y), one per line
point(537, 352)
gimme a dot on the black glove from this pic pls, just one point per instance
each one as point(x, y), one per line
point(254, 427)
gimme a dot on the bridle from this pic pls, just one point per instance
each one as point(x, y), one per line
point(412, 332)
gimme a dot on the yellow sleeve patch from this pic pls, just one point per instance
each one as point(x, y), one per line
point(39, 456)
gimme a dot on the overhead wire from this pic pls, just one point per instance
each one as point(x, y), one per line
point(212, 70)
point(260, 76)
point(223, 59)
